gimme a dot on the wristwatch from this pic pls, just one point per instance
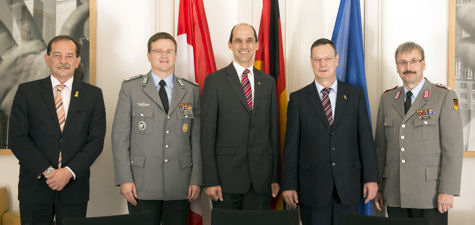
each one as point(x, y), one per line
point(49, 170)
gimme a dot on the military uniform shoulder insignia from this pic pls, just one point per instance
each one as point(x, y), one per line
point(390, 89)
point(182, 80)
point(133, 78)
point(442, 86)
point(456, 104)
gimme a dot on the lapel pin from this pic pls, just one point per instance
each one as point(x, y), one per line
point(258, 83)
point(76, 94)
point(344, 96)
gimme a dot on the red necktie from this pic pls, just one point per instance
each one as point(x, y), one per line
point(246, 86)
point(327, 105)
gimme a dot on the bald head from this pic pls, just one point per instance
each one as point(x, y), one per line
point(239, 26)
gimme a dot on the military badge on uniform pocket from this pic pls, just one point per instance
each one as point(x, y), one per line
point(185, 127)
point(142, 125)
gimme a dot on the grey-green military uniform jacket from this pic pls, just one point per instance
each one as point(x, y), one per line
point(160, 153)
point(419, 154)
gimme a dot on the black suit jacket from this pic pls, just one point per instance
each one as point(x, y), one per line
point(239, 147)
point(36, 139)
point(317, 157)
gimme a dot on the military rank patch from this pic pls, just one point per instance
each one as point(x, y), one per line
point(456, 104)
point(398, 94)
point(144, 81)
point(426, 94)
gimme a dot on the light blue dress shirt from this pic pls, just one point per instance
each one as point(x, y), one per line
point(168, 86)
point(415, 91)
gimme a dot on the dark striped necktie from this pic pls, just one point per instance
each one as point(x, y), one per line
point(246, 86)
point(327, 105)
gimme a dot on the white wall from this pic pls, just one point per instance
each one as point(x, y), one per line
point(124, 27)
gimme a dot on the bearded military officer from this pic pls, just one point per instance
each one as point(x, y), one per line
point(155, 138)
point(418, 143)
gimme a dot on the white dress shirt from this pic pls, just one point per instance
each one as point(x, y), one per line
point(331, 95)
point(250, 76)
point(65, 93)
point(66, 98)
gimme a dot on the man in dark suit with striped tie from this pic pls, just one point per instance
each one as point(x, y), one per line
point(329, 160)
point(57, 129)
point(239, 129)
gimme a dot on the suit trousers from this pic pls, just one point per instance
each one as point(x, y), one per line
point(432, 215)
point(43, 213)
point(325, 215)
point(251, 200)
point(173, 212)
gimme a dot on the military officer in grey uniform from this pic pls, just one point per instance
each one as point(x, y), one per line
point(155, 138)
point(418, 143)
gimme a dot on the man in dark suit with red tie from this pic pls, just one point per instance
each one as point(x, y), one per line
point(57, 128)
point(239, 130)
point(329, 161)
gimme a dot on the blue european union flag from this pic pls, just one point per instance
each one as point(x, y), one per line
point(348, 39)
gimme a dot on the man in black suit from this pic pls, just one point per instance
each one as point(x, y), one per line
point(57, 128)
point(239, 130)
point(329, 161)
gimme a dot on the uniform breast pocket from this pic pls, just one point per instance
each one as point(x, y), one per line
point(388, 128)
point(185, 118)
point(425, 129)
point(142, 122)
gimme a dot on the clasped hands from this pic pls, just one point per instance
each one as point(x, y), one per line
point(57, 179)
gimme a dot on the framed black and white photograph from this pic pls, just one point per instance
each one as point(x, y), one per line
point(461, 65)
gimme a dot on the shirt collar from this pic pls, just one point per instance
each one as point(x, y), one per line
point(240, 69)
point(168, 80)
point(333, 87)
point(415, 91)
point(68, 83)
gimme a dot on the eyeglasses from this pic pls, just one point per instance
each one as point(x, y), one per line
point(412, 62)
point(319, 60)
point(164, 52)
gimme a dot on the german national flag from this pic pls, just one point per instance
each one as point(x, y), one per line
point(270, 59)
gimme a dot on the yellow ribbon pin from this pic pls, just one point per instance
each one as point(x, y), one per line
point(76, 94)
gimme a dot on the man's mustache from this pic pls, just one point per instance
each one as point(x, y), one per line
point(408, 71)
point(63, 66)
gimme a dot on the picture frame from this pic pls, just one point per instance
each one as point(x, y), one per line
point(460, 72)
point(76, 18)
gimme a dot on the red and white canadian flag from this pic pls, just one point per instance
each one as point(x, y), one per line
point(195, 60)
